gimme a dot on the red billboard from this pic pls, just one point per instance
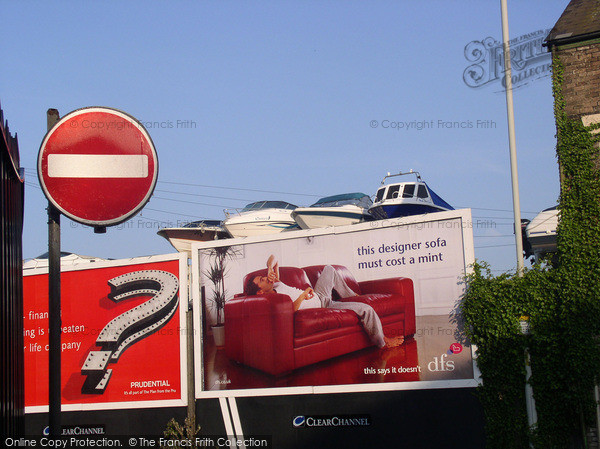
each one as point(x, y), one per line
point(123, 334)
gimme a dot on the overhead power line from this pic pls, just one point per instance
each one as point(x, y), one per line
point(238, 188)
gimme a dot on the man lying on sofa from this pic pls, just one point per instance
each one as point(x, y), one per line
point(321, 296)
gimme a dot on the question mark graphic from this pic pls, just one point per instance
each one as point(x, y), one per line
point(133, 325)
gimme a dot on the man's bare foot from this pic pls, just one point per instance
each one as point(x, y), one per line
point(393, 342)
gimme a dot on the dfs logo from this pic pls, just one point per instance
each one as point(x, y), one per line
point(440, 363)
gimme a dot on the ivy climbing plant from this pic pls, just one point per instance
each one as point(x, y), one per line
point(562, 301)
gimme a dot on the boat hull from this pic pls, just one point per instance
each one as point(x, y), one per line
point(183, 238)
point(541, 232)
point(313, 217)
point(260, 222)
point(383, 211)
point(248, 229)
point(541, 244)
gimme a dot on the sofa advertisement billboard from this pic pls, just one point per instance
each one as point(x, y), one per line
point(355, 308)
point(123, 334)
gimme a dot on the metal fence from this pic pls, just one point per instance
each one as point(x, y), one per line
point(11, 287)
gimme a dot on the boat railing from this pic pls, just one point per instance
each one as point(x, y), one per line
point(203, 224)
point(229, 212)
point(247, 208)
point(410, 172)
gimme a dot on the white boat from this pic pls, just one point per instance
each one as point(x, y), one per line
point(540, 233)
point(337, 210)
point(196, 231)
point(260, 218)
point(400, 199)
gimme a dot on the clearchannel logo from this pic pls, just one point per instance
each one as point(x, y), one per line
point(299, 421)
point(78, 430)
point(332, 421)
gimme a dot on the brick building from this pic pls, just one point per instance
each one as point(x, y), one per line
point(575, 39)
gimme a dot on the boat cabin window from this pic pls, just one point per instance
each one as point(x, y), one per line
point(422, 192)
point(379, 196)
point(392, 192)
point(409, 191)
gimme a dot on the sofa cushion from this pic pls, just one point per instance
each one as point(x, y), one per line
point(311, 321)
point(292, 276)
point(313, 272)
point(384, 303)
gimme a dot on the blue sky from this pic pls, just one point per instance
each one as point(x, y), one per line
point(277, 100)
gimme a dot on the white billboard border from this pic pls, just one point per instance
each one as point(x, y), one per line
point(468, 257)
point(183, 307)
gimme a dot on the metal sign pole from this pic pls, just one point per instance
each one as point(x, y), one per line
point(70, 155)
point(54, 355)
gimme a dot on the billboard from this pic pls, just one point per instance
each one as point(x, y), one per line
point(356, 308)
point(123, 334)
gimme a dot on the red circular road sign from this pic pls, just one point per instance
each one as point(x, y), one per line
point(98, 166)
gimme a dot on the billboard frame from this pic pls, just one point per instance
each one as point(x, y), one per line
point(198, 316)
point(182, 310)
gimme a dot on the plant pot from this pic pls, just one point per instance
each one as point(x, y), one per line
point(219, 335)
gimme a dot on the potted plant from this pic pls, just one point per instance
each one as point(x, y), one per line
point(216, 274)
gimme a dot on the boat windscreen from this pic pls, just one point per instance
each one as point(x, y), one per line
point(408, 191)
point(393, 191)
point(268, 205)
point(358, 199)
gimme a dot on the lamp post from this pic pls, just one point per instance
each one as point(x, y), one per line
point(511, 140)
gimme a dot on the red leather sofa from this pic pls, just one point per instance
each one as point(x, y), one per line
point(262, 331)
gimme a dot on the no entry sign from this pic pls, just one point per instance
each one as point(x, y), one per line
point(98, 166)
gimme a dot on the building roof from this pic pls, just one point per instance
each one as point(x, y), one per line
point(10, 144)
point(580, 21)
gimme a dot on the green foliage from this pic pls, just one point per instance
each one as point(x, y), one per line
point(492, 308)
point(563, 306)
point(184, 434)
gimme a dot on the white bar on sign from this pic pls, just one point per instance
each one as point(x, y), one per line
point(97, 166)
